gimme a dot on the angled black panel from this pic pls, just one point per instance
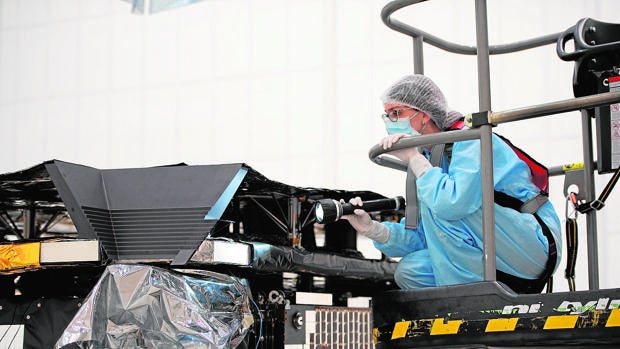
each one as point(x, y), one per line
point(142, 213)
point(85, 186)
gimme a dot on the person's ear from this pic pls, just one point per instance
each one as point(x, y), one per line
point(425, 117)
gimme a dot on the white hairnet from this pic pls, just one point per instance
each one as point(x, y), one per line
point(453, 116)
point(421, 93)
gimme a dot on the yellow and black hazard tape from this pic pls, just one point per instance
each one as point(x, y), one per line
point(445, 326)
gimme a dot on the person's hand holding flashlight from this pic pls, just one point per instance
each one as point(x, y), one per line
point(360, 221)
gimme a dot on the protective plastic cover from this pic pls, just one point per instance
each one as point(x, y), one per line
point(270, 258)
point(139, 306)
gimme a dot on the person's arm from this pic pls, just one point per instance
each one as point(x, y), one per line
point(391, 238)
point(402, 241)
point(457, 193)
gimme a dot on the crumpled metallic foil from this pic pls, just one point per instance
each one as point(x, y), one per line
point(141, 306)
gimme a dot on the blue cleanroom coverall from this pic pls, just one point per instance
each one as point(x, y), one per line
point(447, 246)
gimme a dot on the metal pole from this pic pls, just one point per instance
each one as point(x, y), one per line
point(293, 232)
point(418, 55)
point(560, 170)
point(486, 150)
point(482, 44)
point(29, 222)
point(588, 169)
point(556, 107)
point(376, 152)
point(394, 24)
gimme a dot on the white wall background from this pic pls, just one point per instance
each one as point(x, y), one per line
point(289, 87)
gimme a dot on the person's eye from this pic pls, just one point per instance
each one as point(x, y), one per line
point(395, 113)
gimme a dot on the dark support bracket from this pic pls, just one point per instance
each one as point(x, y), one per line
point(475, 120)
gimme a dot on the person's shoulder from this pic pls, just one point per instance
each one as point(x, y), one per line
point(473, 145)
point(501, 141)
point(466, 144)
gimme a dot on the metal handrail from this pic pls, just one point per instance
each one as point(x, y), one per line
point(482, 50)
point(377, 153)
point(452, 47)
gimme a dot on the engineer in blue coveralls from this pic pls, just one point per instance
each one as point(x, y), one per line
point(446, 248)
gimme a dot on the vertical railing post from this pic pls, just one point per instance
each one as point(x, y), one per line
point(418, 55)
point(588, 161)
point(486, 150)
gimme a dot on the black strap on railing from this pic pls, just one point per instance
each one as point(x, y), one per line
point(571, 239)
point(600, 202)
point(571, 249)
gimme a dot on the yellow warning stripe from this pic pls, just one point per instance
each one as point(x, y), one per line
point(502, 325)
point(558, 322)
point(614, 319)
point(450, 327)
point(442, 326)
point(400, 329)
point(573, 166)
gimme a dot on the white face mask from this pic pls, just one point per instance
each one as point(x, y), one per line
point(401, 125)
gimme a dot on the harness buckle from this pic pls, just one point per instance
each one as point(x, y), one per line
point(597, 204)
point(532, 205)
